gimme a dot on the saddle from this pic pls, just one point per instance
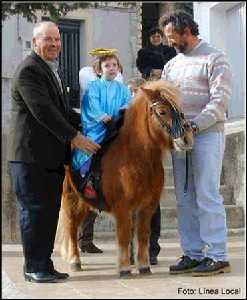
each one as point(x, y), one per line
point(95, 172)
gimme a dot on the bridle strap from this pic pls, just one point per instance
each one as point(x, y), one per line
point(176, 131)
point(162, 122)
point(177, 128)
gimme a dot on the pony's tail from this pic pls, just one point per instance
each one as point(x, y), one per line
point(68, 184)
point(73, 211)
point(67, 189)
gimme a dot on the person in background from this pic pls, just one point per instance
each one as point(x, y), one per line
point(43, 129)
point(204, 77)
point(152, 58)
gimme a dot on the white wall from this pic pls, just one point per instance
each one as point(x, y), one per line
point(15, 31)
point(112, 30)
point(222, 24)
point(99, 28)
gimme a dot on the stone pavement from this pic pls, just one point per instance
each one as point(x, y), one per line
point(99, 278)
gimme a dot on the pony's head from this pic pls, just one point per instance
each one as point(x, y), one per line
point(165, 109)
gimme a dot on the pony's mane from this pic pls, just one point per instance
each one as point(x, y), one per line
point(138, 113)
point(166, 89)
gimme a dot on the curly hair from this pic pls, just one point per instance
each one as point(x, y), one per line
point(180, 21)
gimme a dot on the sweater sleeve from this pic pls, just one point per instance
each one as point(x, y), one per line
point(219, 81)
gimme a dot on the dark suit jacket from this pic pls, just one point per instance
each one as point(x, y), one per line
point(153, 57)
point(42, 123)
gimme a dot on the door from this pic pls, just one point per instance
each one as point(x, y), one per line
point(236, 51)
point(69, 58)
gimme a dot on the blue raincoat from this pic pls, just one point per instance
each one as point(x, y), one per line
point(103, 97)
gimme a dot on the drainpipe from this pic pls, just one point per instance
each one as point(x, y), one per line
point(18, 28)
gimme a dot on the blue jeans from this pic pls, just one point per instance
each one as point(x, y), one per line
point(201, 212)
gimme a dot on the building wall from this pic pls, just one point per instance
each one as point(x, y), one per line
point(223, 25)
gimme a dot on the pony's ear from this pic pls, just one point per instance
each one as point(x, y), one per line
point(150, 93)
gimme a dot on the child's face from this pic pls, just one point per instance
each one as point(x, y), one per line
point(110, 68)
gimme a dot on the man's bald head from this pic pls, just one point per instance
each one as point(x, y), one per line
point(40, 27)
point(46, 40)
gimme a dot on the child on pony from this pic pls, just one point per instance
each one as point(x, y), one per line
point(102, 101)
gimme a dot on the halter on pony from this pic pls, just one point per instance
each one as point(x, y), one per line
point(177, 129)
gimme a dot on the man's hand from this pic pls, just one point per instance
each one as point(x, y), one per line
point(107, 119)
point(155, 74)
point(84, 144)
point(191, 125)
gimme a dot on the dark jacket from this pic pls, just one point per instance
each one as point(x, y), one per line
point(42, 123)
point(153, 57)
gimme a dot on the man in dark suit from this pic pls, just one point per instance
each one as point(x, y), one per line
point(43, 127)
point(150, 62)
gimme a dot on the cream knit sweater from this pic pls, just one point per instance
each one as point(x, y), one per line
point(204, 77)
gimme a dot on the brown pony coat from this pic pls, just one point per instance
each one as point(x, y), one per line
point(132, 178)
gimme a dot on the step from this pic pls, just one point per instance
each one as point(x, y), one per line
point(170, 179)
point(234, 217)
point(234, 214)
point(168, 196)
point(165, 233)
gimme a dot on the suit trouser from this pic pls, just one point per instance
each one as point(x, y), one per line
point(154, 247)
point(38, 192)
point(86, 230)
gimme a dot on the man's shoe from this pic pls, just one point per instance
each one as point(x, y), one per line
point(60, 275)
point(90, 248)
point(153, 260)
point(89, 192)
point(209, 267)
point(41, 277)
point(185, 265)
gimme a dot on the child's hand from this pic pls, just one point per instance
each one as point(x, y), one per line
point(107, 119)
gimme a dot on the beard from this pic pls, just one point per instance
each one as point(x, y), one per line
point(182, 47)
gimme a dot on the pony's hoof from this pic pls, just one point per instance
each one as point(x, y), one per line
point(145, 271)
point(75, 267)
point(125, 274)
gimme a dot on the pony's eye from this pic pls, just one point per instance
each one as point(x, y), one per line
point(162, 113)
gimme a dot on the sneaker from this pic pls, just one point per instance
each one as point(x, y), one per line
point(210, 267)
point(90, 248)
point(184, 265)
point(89, 192)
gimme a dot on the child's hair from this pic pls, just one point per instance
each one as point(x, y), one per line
point(98, 61)
point(106, 57)
point(96, 66)
point(135, 82)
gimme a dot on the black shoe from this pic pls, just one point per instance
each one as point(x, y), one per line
point(40, 277)
point(60, 275)
point(90, 248)
point(153, 260)
point(210, 267)
point(185, 265)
